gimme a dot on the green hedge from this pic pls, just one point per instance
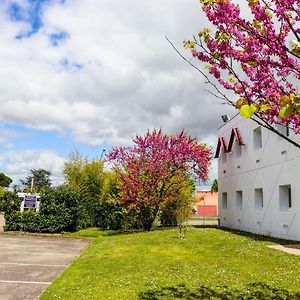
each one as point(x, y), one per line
point(59, 211)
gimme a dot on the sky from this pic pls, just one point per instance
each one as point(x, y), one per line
point(91, 74)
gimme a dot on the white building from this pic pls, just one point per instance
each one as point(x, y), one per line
point(259, 180)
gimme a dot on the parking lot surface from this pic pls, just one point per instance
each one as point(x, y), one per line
point(28, 264)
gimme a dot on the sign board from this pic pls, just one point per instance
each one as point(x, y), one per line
point(30, 201)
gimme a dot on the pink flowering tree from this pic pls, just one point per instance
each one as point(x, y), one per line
point(255, 54)
point(156, 168)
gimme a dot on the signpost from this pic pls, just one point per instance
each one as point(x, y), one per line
point(30, 201)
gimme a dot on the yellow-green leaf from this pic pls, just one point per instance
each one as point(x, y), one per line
point(189, 44)
point(256, 24)
point(265, 107)
point(285, 100)
point(297, 99)
point(247, 111)
point(285, 111)
point(231, 79)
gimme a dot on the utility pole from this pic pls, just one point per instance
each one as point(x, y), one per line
point(103, 150)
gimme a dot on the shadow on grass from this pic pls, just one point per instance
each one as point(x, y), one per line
point(258, 237)
point(254, 236)
point(205, 226)
point(251, 291)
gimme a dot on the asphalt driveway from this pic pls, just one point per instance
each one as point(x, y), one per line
point(28, 264)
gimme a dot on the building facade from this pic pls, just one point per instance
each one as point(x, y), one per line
point(259, 179)
point(206, 204)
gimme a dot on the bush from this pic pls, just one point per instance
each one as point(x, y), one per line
point(2, 194)
point(12, 215)
point(59, 211)
point(168, 214)
point(111, 216)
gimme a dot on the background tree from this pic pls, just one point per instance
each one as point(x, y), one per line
point(5, 181)
point(178, 206)
point(155, 168)
point(256, 57)
point(87, 177)
point(214, 187)
point(111, 214)
point(2, 194)
point(40, 179)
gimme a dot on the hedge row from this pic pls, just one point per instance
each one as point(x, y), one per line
point(59, 211)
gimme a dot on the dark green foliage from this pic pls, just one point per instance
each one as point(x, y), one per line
point(5, 181)
point(214, 187)
point(111, 216)
point(175, 211)
point(168, 215)
point(59, 211)
point(11, 207)
point(41, 180)
point(2, 193)
point(252, 291)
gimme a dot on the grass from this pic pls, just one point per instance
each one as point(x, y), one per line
point(85, 233)
point(208, 264)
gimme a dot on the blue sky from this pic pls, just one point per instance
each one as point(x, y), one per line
point(90, 74)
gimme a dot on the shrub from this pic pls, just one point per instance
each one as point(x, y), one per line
point(12, 215)
point(2, 194)
point(168, 214)
point(59, 211)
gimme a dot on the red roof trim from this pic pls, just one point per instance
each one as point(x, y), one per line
point(221, 143)
point(234, 134)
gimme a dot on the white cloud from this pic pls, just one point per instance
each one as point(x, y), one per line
point(17, 164)
point(6, 135)
point(131, 79)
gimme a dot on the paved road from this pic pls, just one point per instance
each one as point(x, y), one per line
point(202, 222)
point(28, 264)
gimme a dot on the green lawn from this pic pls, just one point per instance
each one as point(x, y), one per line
point(207, 264)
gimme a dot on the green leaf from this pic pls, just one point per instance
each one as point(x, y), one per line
point(285, 111)
point(265, 107)
point(247, 111)
point(231, 79)
point(284, 100)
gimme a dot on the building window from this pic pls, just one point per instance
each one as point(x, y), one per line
point(224, 200)
point(257, 138)
point(285, 197)
point(283, 129)
point(259, 199)
point(239, 200)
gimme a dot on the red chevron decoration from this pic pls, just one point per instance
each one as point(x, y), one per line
point(221, 142)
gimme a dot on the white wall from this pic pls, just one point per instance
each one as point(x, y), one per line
point(276, 164)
